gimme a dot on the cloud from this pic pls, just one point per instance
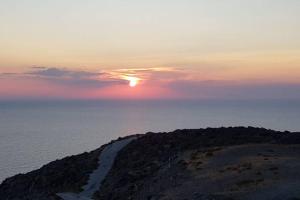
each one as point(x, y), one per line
point(59, 73)
point(161, 74)
point(67, 77)
point(7, 74)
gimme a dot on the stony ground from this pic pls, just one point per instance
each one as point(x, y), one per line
point(256, 171)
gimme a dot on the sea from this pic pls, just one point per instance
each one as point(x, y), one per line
point(33, 133)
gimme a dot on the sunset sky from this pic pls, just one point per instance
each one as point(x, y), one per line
point(164, 49)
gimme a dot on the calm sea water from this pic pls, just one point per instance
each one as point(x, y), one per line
point(35, 133)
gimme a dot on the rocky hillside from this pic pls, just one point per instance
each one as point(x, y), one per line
point(213, 163)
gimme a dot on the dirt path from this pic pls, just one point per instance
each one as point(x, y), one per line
point(106, 160)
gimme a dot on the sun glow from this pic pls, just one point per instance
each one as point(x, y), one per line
point(133, 81)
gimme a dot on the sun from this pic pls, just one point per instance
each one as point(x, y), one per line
point(133, 81)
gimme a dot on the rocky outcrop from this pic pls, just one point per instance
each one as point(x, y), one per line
point(212, 163)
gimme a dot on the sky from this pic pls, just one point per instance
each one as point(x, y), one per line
point(159, 49)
